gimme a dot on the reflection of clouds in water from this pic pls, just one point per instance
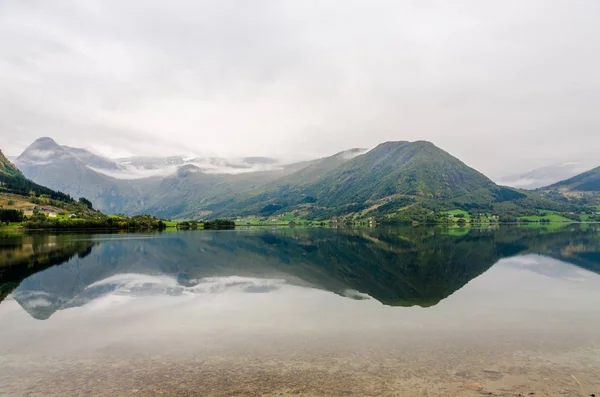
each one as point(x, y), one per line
point(33, 298)
point(39, 302)
point(122, 288)
point(548, 267)
point(145, 285)
point(260, 289)
point(356, 295)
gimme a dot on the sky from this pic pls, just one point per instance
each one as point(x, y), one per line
point(506, 86)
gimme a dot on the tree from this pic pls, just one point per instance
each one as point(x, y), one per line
point(11, 215)
point(86, 202)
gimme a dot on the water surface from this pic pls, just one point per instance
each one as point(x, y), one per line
point(407, 311)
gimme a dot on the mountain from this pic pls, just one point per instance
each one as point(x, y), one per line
point(586, 182)
point(387, 178)
point(13, 181)
point(382, 181)
point(401, 168)
point(45, 151)
point(71, 170)
point(311, 171)
point(545, 176)
point(172, 187)
point(93, 160)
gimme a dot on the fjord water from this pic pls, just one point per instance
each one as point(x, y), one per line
point(404, 311)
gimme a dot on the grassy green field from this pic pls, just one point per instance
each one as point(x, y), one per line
point(549, 217)
point(456, 212)
point(457, 215)
point(13, 225)
point(279, 220)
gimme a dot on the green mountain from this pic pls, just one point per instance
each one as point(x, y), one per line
point(402, 169)
point(392, 176)
point(586, 182)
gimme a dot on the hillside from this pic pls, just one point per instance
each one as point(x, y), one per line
point(402, 168)
point(545, 176)
point(588, 181)
point(7, 168)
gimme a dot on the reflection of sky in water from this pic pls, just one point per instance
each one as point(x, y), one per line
point(190, 291)
point(145, 310)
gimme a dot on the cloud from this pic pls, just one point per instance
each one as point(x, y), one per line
point(299, 80)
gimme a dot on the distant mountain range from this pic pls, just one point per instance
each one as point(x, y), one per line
point(588, 181)
point(356, 182)
point(547, 175)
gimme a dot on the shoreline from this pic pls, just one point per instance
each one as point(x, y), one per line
point(283, 225)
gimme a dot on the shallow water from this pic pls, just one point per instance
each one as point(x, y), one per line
point(408, 311)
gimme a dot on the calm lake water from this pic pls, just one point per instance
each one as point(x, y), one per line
point(379, 312)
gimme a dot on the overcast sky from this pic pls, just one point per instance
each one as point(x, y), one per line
point(505, 85)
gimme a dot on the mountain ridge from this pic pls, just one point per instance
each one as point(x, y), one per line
point(384, 180)
point(400, 173)
point(545, 176)
point(588, 181)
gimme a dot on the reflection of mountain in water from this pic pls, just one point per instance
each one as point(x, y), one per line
point(24, 255)
point(400, 267)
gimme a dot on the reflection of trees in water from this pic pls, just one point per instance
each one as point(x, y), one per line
point(24, 255)
point(396, 266)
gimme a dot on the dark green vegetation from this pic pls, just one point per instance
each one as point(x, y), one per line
point(396, 266)
point(10, 215)
point(219, 224)
point(396, 182)
point(98, 221)
point(214, 224)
